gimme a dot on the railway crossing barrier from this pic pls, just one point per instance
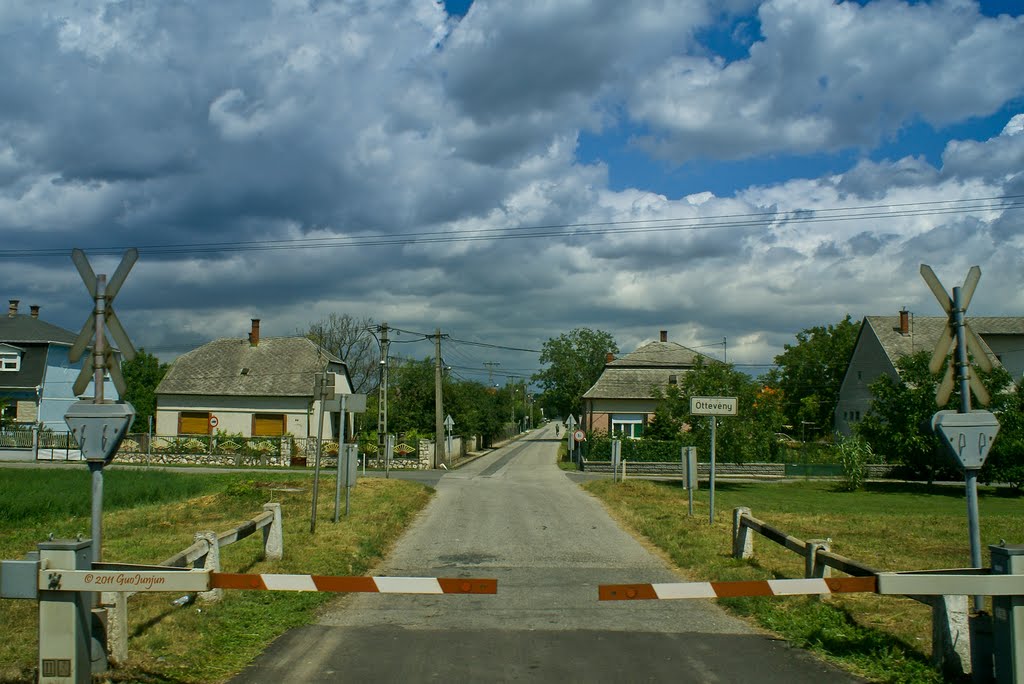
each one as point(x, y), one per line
point(62, 577)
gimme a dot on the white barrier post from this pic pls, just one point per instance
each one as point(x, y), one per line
point(211, 563)
point(273, 537)
point(742, 540)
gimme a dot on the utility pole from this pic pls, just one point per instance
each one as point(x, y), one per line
point(382, 400)
point(490, 371)
point(438, 408)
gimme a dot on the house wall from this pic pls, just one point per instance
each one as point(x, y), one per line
point(234, 414)
point(57, 395)
point(867, 363)
point(1010, 351)
point(599, 411)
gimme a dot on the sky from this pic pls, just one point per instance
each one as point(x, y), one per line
point(731, 172)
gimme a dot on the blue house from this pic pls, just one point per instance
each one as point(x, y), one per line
point(36, 376)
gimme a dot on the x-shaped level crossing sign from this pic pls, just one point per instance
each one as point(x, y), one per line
point(948, 336)
point(102, 293)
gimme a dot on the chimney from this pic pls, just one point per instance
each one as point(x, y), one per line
point(35, 310)
point(609, 357)
point(664, 335)
point(254, 335)
point(904, 322)
point(12, 309)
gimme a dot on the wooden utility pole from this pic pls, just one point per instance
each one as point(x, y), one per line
point(438, 408)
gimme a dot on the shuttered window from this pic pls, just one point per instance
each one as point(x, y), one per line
point(268, 425)
point(194, 423)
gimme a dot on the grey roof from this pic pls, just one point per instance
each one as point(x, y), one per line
point(277, 366)
point(22, 329)
point(925, 332)
point(637, 375)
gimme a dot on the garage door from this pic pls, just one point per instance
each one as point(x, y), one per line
point(268, 425)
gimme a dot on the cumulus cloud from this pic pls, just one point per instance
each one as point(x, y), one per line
point(285, 160)
point(827, 76)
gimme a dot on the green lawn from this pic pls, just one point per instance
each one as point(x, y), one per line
point(889, 526)
point(150, 515)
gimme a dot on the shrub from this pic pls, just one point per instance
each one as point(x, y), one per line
point(854, 455)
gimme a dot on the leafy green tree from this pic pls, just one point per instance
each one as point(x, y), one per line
point(411, 396)
point(749, 436)
point(141, 376)
point(898, 425)
point(574, 363)
point(476, 409)
point(810, 372)
point(1005, 462)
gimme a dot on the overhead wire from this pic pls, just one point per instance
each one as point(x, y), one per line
point(630, 226)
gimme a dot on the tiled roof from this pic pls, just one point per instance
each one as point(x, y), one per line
point(277, 366)
point(637, 375)
point(22, 329)
point(925, 332)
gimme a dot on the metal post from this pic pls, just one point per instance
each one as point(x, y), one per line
point(711, 484)
point(96, 468)
point(319, 446)
point(149, 442)
point(970, 474)
point(389, 449)
point(98, 363)
point(341, 449)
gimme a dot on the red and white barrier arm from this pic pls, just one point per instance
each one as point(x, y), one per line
point(693, 590)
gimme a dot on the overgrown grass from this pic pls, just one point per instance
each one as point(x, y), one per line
point(889, 526)
point(149, 516)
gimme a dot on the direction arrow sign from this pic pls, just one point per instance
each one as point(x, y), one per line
point(968, 435)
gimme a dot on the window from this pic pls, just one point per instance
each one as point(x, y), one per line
point(10, 361)
point(628, 425)
point(193, 423)
point(268, 424)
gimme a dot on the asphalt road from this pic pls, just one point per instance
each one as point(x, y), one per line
point(514, 516)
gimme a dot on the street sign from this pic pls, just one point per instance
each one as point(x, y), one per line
point(101, 319)
point(579, 436)
point(713, 406)
point(448, 422)
point(948, 335)
point(969, 435)
point(99, 428)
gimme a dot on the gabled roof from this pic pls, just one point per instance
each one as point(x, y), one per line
point(22, 329)
point(277, 366)
point(925, 331)
point(639, 374)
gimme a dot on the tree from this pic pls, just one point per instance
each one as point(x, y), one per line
point(141, 376)
point(351, 340)
point(749, 436)
point(898, 424)
point(476, 409)
point(411, 396)
point(811, 371)
point(574, 363)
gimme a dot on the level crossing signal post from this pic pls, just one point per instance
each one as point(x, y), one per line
point(968, 434)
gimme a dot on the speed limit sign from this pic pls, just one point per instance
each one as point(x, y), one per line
point(579, 436)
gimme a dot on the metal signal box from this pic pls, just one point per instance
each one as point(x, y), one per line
point(1008, 616)
point(99, 428)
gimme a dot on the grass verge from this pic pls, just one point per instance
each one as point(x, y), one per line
point(891, 526)
point(150, 515)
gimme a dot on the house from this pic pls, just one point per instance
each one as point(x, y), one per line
point(883, 340)
point(622, 400)
point(35, 374)
point(256, 387)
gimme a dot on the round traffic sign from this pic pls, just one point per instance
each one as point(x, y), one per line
point(579, 436)
point(214, 422)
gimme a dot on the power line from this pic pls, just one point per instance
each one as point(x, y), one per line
point(632, 226)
